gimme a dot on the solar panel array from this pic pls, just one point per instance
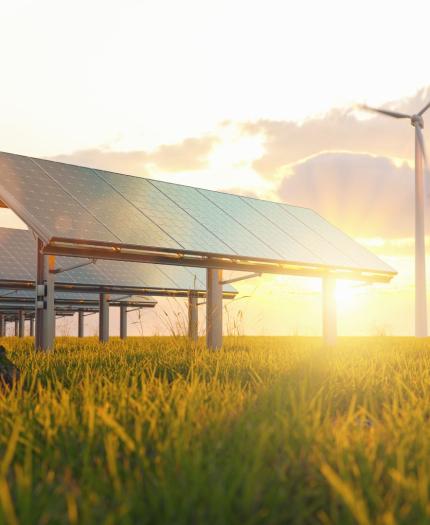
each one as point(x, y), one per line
point(18, 256)
point(65, 201)
point(17, 296)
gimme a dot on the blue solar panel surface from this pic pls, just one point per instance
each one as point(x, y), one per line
point(72, 202)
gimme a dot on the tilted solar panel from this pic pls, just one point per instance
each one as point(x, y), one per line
point(84, 206)
point(184, 228)
point(8, 296)
point(238, 240)
point(361, 257)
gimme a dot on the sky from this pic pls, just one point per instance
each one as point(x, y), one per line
point(252, 97)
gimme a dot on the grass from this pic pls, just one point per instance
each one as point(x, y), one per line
point(269, 430)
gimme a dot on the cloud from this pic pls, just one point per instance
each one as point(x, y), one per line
point(338, 164)
point(366, 196)
point(340, 129)
point(133, 162)
point(189, 155)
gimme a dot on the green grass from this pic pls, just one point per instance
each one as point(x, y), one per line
point(269, 430)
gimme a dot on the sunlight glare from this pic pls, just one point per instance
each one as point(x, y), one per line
point(346, 292)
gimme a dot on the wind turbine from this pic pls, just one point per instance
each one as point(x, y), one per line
point(420, 262)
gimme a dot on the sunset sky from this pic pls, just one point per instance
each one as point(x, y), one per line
point(251, 97)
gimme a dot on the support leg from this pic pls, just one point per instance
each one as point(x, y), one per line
point(329, 310)
point(45, 309)
point(103, 318)
point(2, 325)
point(21, 323)
point(31, 326)
point(80, 323)
point(16, 327)
point(193, 317)
point(123, 321)
point(214, 309)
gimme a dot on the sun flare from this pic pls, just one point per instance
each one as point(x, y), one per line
point(346, 292)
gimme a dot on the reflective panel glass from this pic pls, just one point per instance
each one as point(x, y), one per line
point(357, 254)
point(180, 225)
point(318, 250)
point(107, 206)
point(239, 240)
point(263, 231)
point(40, 198)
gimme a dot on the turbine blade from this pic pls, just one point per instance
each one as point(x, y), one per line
point(386, 112)
point(425, 108)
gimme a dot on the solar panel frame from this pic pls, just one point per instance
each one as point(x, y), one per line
point(8, 296)
point(18, 253)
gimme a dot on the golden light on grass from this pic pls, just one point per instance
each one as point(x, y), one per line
point(268, 430)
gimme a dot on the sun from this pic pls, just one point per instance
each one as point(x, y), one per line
point(345, 294)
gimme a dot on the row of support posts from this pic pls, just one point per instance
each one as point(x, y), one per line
point(104, 320)
point(214, 311)
point(19, 325)
point(45, 310)
point(45, 306)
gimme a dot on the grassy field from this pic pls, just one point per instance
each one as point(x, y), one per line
point(269, 430)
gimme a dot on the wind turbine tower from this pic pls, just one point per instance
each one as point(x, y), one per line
point(420, 261)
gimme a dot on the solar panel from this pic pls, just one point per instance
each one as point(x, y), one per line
point(338, 240)
point(183, 227)
point(105, 206)
point(80, 205)
point(238, 239)
point(18, 255)
point(8, 296)
point(310, 241)
point(44, 203)
point(284, 246)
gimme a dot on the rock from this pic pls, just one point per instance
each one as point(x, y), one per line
point(9, 373)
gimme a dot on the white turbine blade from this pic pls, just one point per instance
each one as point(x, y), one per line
point(425, 108)
point(386, 112)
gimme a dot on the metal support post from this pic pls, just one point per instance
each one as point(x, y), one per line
point(21, 323)
point(31, 326)
point(329, 310)
point(2, 325)
point(123, 321)
point(103, 318)
point(214, 309)
point(193, 317)
point(16, 327)
point(45, 310)
point(80, 323)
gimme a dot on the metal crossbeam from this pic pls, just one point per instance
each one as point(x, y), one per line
point(243, 278)
point(109, 252)
point(81, 265)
